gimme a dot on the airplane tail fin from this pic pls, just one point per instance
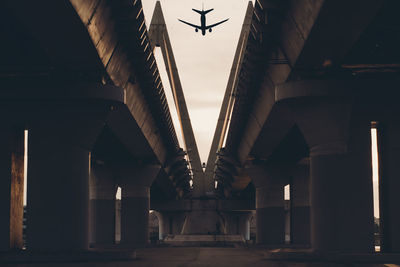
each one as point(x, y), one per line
point(202, 11)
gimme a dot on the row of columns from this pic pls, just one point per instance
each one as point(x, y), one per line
point(220, 223)
point(332, 201)
point(58, 191)
point(340, 214)
point(272, 218)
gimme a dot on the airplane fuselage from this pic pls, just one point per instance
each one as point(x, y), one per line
point(203, 24)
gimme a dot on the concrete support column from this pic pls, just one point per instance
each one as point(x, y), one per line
point(269, 182)
point(135, 205)
point(300, 209)
point(238, 223)
point(135, 202)
point(58, 183)
point(341, 195)
point(270, 215)
point(11, 188)
point(102, 206)
point(170, 223)
point(339, 138)
point(389, 153)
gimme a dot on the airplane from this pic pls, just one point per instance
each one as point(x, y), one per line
point(203, 26)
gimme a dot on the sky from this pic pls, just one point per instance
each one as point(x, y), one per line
point(204, 62)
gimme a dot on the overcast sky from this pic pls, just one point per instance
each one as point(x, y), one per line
point(204, 62)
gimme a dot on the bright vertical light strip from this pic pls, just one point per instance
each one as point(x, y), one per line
point(25, 165)
point(375, 170)
point(168, 94)
point(287, 192)
point(118, 194)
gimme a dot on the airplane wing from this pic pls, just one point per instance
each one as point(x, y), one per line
point(213, 25)
point(190, 24)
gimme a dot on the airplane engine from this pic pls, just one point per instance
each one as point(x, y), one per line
point(196, 30)
point(210, 29)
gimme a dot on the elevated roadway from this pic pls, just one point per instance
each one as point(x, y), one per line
point(315, 78)
point(81, 77)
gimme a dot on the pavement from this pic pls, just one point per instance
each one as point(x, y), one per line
point(201, 256)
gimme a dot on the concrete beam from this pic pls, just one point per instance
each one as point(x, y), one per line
point(312, 32)
point(118, 65)
point(158, 35)
point(221, 205)
point(57, 29)
point(228, 100)
point(335, 30)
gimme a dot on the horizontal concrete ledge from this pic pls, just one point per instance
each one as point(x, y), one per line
point(61, 257)
point(203, 240)
point(205, 204)
point(115, 247)
point(334, 257)
point(80, 91)
point(334, 88)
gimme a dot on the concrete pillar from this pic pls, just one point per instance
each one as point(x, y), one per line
point(102, 206)
point(300, 207)
point(238, 223)
point(389, 164)
point(135, 205)
point(270, 209)
point(58, 183)
point(270, 215)
point(135, 202)
point(11, 188)
point(203, 218)
point(118, 221)
point(340, 174)
point(170, 223)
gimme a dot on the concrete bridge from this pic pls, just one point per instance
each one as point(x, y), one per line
point(81, 77)
point(315, 78)
point(308, 82)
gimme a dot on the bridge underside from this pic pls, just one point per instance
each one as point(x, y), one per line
point(80, 78)
point(315, 79)
point(310, 80)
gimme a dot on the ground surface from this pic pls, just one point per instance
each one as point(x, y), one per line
point(202, 256)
